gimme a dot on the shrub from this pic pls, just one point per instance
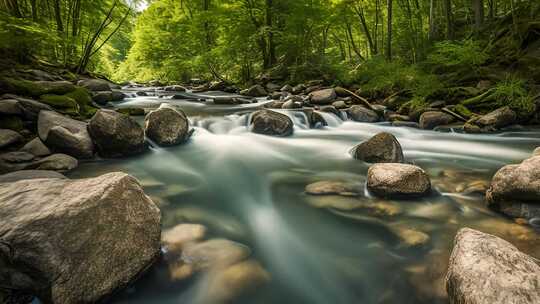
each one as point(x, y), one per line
point(452, 54)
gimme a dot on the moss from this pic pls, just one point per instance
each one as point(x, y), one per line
point(81, 96)
point(11, 122)
point(35, 88)
point(61, 102)
point(463, 111)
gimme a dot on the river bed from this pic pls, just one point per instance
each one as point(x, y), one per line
point(249, 188)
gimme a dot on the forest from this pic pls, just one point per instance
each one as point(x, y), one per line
point(270, 151)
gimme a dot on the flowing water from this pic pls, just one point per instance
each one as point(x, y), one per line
point(249, 188)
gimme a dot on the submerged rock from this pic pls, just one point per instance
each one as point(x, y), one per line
point(116, 134)
point(381, 148)
point(397, 180)
point(362, 114)
point(431, 119)
point(323, 97)
point(271, 123)
point(76, 241)
point(515, 189)
point(65, 135)
point(180, 235)
point(333, 187)
point(167, 126)
point(485, 269)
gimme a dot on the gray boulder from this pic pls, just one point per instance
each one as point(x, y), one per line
point(515, 189)
point(381, 148)
point(287, 88)
point(116, 134)
point(76, 241)
point(271, 123)
point(323, 97)
point(102, 97)
point(65, 135)
point(485, 269)
point(492, 121)
point(10, 107)
point(9, 137)
point(29, 107)
point(431, 119)
point(362, 114)
point(255, 91)
point(94, 84)
point(397, 180)
point(56, 162)
point(167, 126)
point(36, 147)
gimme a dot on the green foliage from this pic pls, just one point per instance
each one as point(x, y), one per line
point(454, 54)
point(23, 39)
point(513, 92)
point(380, 77)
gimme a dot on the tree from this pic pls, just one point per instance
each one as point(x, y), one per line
point(389, 31)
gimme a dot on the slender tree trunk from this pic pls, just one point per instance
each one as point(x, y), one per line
point(449, 19)
point(372, 46)
point(12, 7)
point(33, 7)
point(478, 7)
point(271, 45)
point(58, 16)
point(353, 44)
point(389, 32)
point(432, 24)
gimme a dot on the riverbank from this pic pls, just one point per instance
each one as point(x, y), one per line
point(254, 194)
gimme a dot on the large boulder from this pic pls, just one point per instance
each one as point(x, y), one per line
point(492, 121)
point(255, 91)
point(515, 189)
point(362, 114)
point(167, 126)
point(271, 123)
point(431, 119)
point(9, 137)
point(485, 269)
point(116, 134)
point(323, 97)
point(76, 241)
point(30, 108)
point(397, 180)
point(94, 84)
point(381, 148)
point(35, 88)
point(66, 135)
point(56, 162)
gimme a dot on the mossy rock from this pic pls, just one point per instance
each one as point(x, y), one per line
point(11, 122)
point(462, 111)
point(62, 103)
point(35, 88)
point(81, 96)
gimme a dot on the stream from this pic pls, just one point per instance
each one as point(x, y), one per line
point(249, 188)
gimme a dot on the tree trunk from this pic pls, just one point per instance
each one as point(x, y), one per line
point(372, 46)
point(33, 7)
point(432, 24)
point(12, 7)
point(478, 7)
point(58, 16)
point(389, 32)
point(271, 61)
point(449, 19)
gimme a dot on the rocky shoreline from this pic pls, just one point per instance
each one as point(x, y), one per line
point(80, 241)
